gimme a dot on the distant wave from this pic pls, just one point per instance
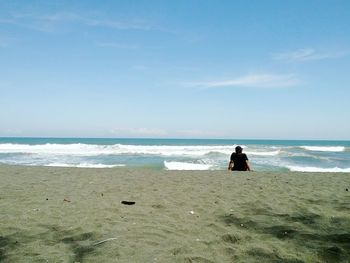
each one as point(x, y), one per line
point(186, 166)
point(116, 149)
point(93, 150)
point(318, 169)
point(324, 148)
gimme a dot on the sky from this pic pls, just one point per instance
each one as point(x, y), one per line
point(175, 69)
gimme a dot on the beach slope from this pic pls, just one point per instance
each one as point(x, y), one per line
point(52, 214)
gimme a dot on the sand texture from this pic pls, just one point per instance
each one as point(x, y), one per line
point(75, 215)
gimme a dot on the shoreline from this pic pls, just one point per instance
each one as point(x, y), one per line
point(282, 170)
point(176, 154)
point(63, 214)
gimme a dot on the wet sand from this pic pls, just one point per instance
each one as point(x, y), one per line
point(75, 215)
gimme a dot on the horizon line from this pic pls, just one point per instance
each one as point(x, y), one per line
point(168, 138)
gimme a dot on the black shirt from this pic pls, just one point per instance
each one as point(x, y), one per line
point(239, 161)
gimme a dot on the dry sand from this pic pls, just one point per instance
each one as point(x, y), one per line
point(64, 215)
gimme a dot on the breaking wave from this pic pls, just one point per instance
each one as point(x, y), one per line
point(79, 149)
point(176, 154)
point(324, 148)
point(116, 149)
point(271, 153)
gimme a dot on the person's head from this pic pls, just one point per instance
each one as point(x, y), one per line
point(239, 149)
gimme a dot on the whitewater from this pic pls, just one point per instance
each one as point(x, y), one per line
point(176, 154)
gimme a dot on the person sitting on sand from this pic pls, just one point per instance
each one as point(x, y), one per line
point(239, 161)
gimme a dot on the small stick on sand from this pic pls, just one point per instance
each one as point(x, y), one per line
point(100, 242)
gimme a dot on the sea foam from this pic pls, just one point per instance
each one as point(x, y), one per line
point(324, 148)
point(93, 150)
point(186, 166)
point(270, 153)
point(318, 169)
point(84, 165)
point(179, 155)
point(116, 149)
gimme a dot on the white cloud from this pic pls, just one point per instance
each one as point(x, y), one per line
point(253, 81)
point(307, 54)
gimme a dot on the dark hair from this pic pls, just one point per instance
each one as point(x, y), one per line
point(238, 149)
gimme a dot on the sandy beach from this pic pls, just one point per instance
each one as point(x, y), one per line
point(52, 214)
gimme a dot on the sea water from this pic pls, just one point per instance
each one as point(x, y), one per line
point(176, 154)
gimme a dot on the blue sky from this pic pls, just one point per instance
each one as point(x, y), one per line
point(175, 69)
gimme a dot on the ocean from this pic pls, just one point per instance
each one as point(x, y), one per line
point(176, 154)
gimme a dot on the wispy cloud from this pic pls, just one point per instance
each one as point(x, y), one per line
point(154, 132)
point(30, 21)
point(136, 25)
point(11, 132)
point(147, 132)
point(307, 54)
point(49, 22)
point(116, 45)
point(253, 81)
point(4, 42)
point(195, 133)
point(139, 67)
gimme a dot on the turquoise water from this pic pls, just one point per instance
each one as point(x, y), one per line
point(176, 154)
